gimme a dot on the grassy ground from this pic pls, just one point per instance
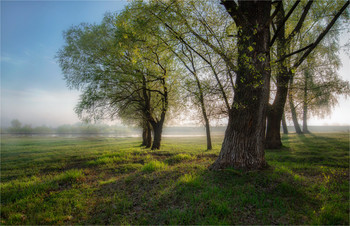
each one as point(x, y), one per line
point(114, 181)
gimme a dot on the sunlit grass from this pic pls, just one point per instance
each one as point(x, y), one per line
point(115, 181)
point(154, 165)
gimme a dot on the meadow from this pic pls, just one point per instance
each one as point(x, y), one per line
point(115, 181)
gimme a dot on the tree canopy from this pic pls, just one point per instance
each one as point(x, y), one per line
point(141, 64)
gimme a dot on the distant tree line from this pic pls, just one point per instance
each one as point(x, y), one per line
point(79, 128)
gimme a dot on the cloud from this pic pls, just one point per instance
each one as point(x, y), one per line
point(10, 60)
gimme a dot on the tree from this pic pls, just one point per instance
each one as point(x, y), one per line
point(16, 125)
point(243, 145)
point(288, 68)
point(104, 61)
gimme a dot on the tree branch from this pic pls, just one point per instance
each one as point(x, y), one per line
point(301, 21)
point(284, 21)
point(293, 53)
point(321, 36)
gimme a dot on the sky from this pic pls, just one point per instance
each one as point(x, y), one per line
point(32, 86)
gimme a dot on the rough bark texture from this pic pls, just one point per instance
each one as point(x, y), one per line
point(243, 145)
point(273, 132)
point(157, 132)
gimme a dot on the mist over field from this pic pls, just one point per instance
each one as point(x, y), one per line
point(81, 129)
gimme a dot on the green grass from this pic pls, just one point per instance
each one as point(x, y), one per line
point(115, 181)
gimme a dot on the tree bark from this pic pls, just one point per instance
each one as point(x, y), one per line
point(305, 101)
point(207, 130)
point(146, 135)
point(293, 111)
point(273, 132)
point(284, 124)
point(157, 131)
point(243, 145)
point(204, 112)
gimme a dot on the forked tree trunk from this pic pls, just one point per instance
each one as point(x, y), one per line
point(284, 124)
point(273, 132)
point(243, 145)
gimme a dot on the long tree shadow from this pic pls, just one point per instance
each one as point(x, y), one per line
point(186, 194)
point(311, 149)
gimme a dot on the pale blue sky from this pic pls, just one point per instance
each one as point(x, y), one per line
point(32, 88)
point(32, 85)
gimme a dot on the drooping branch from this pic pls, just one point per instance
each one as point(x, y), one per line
point(322, 35)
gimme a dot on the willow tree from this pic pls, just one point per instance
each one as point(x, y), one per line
point(298, 34)
point(105, 62)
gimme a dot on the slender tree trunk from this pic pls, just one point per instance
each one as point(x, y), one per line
point(305, 102)
point(273, 132)
point(284, 124)
point(207, 130)
point(243, 145)
point(293, 111)
point(204, 112)
point(294, 117)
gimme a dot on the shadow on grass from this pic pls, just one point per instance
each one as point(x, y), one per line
point(311, 149)
point(197, 196)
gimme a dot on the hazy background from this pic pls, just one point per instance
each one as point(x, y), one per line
point(32, 86)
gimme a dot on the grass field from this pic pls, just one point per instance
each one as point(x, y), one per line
point(114, 181)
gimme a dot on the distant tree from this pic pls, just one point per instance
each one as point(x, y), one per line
point(120, 67)
point(296, 39)
point(16, 125)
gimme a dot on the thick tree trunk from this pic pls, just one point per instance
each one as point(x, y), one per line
point(273, 132)
point(284, 124)
point(243, 145)
point(146, 135)
point(157, 132)
point(305, 102)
